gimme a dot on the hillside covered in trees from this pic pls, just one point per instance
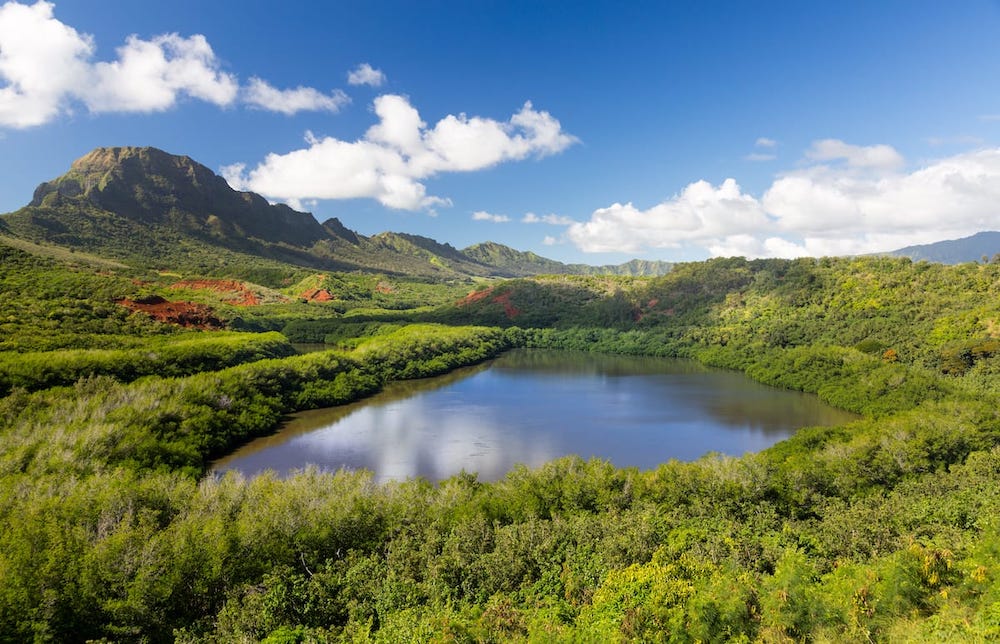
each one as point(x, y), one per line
point(885, 529)
point(149, 319)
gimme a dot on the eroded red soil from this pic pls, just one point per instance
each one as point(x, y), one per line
point(475, 296)
point(509, 309)
point(186, 314)
point(317, 295)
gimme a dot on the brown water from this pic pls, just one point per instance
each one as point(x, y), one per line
point(530, 406)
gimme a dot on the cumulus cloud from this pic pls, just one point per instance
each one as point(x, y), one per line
point(700, 213)
point(954, 196)
point(41, 60)
point(365, 74)
point(259, 93)
point(861, 203)
point(552, 220)
point(398, 153)
point(482, 215)
point(150, 75)
point(855, 156)
point(47, 67)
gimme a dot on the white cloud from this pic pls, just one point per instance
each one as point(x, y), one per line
point(766, 144)
point(855, 156)
point(549, 240)
point(954, 196)
point(400, 126)
point(482, 215)
point(365, 74)
point(553, 220)
point(394, 157)
point(150, 75)
point(41, 60)
point(462, 144)
point(863, 205)
point(46, 68)
point(260, 93)
point(700, 214)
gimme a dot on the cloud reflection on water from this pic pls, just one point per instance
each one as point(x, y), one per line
point(414, 438)
point(532, 406)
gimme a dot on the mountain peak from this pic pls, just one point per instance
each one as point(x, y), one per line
point(106, 176)
point(146, 204)
point(107, 158)
point(155, 187)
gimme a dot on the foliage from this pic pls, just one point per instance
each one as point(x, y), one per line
point(171, 355)
point(885, 529)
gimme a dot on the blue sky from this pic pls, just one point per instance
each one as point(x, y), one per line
point(582, 131)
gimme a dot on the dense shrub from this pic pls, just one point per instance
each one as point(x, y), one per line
point(881, 530)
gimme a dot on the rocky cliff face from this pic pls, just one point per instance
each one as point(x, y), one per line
point(154, 187)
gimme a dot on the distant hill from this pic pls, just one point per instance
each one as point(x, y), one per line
point(524, 263)
point(158, 210)
point(954, 251)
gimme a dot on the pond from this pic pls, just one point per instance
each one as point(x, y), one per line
point(531, 406)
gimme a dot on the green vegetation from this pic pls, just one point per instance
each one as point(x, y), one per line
point(174, 355)
point(147, 208)
point(515, 263)
point(886, 529)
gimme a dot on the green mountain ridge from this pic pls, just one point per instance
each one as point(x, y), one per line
point(954, 251)
point(525, 263)
point(154, 209)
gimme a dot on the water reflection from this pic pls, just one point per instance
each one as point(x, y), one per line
point(532, 406)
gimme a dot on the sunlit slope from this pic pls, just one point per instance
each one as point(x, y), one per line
point(158, 210)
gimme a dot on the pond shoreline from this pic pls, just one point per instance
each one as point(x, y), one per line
point(533, 405)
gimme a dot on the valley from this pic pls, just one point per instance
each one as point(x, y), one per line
point(147, 322)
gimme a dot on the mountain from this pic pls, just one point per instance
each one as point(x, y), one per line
point(152, 209)
point(155, 209)
point(954, 251)
point(152, 186)
point(523, 263)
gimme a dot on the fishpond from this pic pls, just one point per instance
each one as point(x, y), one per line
point(531, 406)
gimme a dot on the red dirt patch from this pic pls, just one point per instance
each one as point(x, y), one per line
point(317, 295)
point(509, 309)
point(244, 296)
point(186, 314)
point(382, 287)
point(475, 296)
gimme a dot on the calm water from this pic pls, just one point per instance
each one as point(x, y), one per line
point(530, 406)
